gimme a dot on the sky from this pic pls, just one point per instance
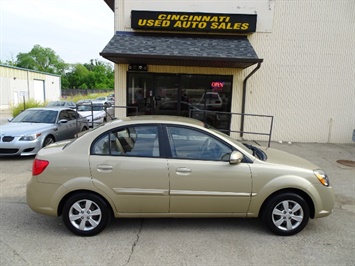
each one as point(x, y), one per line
point(77, 30)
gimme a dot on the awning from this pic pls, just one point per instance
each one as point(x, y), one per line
point(180, 50)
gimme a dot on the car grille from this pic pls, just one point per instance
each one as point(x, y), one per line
point(8, 151)
point(7, 139)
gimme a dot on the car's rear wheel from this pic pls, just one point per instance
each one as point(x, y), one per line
point(48, 140)
point(85, 214)
point(286, 214)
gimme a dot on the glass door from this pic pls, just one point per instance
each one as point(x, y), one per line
point(139, 93)
point(203, 97)
point(165, 95)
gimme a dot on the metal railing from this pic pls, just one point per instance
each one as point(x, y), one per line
point(214, 118)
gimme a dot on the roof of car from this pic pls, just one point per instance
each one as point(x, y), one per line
point(164, 119)
point(55, 108)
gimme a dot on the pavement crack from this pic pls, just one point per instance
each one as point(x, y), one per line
point(135, 242)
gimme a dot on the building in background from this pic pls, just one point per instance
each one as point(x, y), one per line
point(18, 85)
point(293, 60)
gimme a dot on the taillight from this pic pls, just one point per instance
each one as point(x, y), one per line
point(39, 166)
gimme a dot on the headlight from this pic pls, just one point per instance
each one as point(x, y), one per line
point(322, 177)
point(30, 137)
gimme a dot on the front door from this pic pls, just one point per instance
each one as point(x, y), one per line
point(201, 178)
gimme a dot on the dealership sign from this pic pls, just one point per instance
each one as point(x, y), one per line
point(185, 21)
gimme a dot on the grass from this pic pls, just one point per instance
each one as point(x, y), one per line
point(31, 103)
point(78, 97)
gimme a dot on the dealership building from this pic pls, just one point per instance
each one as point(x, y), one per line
point(290, 61)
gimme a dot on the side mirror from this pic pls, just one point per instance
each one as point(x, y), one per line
point(10, 119)
point(236, 157)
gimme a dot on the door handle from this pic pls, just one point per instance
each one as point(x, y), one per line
point(104, 168)
point(183, 171)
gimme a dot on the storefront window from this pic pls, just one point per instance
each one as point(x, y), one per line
point(204, 97)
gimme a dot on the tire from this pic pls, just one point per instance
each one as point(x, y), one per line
point(85, 214)
point(48, 140)
point(286, 214)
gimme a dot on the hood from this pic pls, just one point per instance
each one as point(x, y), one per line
point(19, 129)
point(283, 158)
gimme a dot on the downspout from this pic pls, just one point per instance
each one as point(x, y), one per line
point(244, 97)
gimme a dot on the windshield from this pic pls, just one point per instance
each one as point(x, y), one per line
point(258, 153)
point(36, 116)
point(94, 107)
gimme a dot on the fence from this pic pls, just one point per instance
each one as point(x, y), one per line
point(72, 92)
point(222, 122)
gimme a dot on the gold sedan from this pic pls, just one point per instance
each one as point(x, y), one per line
point(163, 166)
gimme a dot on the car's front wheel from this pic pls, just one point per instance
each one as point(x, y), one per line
point(286, 214)
point(85, 214)
point(48, 140)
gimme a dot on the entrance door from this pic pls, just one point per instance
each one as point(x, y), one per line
point(165, 95)
point(39, 93)
point(203, 97)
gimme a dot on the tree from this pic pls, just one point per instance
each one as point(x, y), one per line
point(42, 59)
point(95, 75)
point(11, 62)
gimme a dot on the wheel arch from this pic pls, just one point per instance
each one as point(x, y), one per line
point(71, 193)
point(299, 192)
point(49, 135)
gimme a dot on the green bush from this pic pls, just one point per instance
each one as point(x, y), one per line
point(31, 103)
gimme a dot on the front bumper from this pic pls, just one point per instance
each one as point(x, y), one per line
point(325, 201)
point(20, 148)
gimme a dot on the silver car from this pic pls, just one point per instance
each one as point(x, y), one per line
point(35, 128)
point(96, 112)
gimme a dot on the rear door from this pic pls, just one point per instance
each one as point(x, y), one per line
point(125, 163)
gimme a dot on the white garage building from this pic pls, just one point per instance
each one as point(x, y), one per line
point(18, 85)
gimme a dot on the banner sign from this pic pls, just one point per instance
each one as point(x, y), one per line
point(186, 21)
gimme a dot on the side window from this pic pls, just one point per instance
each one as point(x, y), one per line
point(101, 146)
point(140, 141)
point(188, 143)
point(72, 115)
point(64, 115)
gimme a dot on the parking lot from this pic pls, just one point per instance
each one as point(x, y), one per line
point(28, 238)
